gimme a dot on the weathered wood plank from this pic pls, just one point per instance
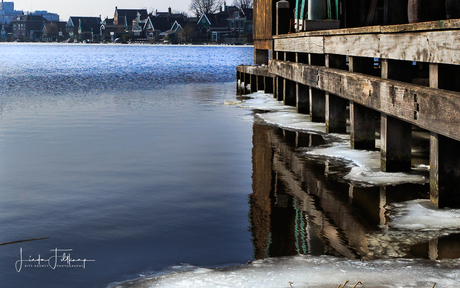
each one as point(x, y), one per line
point(310, 44)
point(366, 45)
point(254, 70)
point(451, 24)
point(436, 110)
point(431, 47)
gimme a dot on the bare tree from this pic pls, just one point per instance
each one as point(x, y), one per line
point(200, 7)
point(243, 3)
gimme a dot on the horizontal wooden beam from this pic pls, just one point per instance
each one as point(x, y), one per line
point(451, 24)
point(254, 70)
point(436, 110)
point(432, 47)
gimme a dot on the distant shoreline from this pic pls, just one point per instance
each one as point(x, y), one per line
point(131, 44)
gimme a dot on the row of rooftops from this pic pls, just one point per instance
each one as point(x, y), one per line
point(127, 18)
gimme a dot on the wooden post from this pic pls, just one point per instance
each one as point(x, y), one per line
point(444, 171)
point(397, 70)
point(282, 17)
point(395, 134)
point(362, 130)
point(253, 83)
point(395, 147)
point(268, 84)
point(247, 81)
point(363, 65)
point(260, 56)
point(260, 83)
point(336, 114)
point(336, 107)
point(279, 88)
point(238, 90)
point(302, 98)
point(362, 119)
point(317, 105)
point(289, 93)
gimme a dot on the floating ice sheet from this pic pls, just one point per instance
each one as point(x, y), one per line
point(365, 165)
point(421, 215)
point(308, 271)
point(266, 102)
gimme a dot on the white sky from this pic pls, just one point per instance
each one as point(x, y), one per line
point(97, 7)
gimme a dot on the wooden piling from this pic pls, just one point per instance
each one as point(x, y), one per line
point(395, 144)
point(302, 98)
point(289, 93)
point(317, 105)
point(362, 127)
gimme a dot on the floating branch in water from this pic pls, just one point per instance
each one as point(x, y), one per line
point(27, 240)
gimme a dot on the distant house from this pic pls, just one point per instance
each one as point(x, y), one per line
point(213, 26)
point(84, 28)
point(231, 26)
point(55, 31)
point(125, 17)
point(28, 27)
point(173, 35)
point(168, 26)
point(109, 31)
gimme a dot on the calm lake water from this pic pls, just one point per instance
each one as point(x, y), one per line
point(125, 154)
point(128, 156)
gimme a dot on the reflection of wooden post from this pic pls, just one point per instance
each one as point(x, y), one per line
point(433, 249)
point(350, 194)
point(382, 204)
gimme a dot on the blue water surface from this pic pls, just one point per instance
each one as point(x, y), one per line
point(124, 154)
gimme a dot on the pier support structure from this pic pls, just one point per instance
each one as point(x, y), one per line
point(289, 93)
point(362, 119)
point(324, 72)
point(335, 106)
point(317, 105)
point(302, 98)
point(395, 134)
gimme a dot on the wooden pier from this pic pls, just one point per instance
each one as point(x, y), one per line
point(403, 76)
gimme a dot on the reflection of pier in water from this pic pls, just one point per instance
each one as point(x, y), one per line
point(297, 208)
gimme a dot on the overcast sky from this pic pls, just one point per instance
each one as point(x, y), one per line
point(104, 8)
